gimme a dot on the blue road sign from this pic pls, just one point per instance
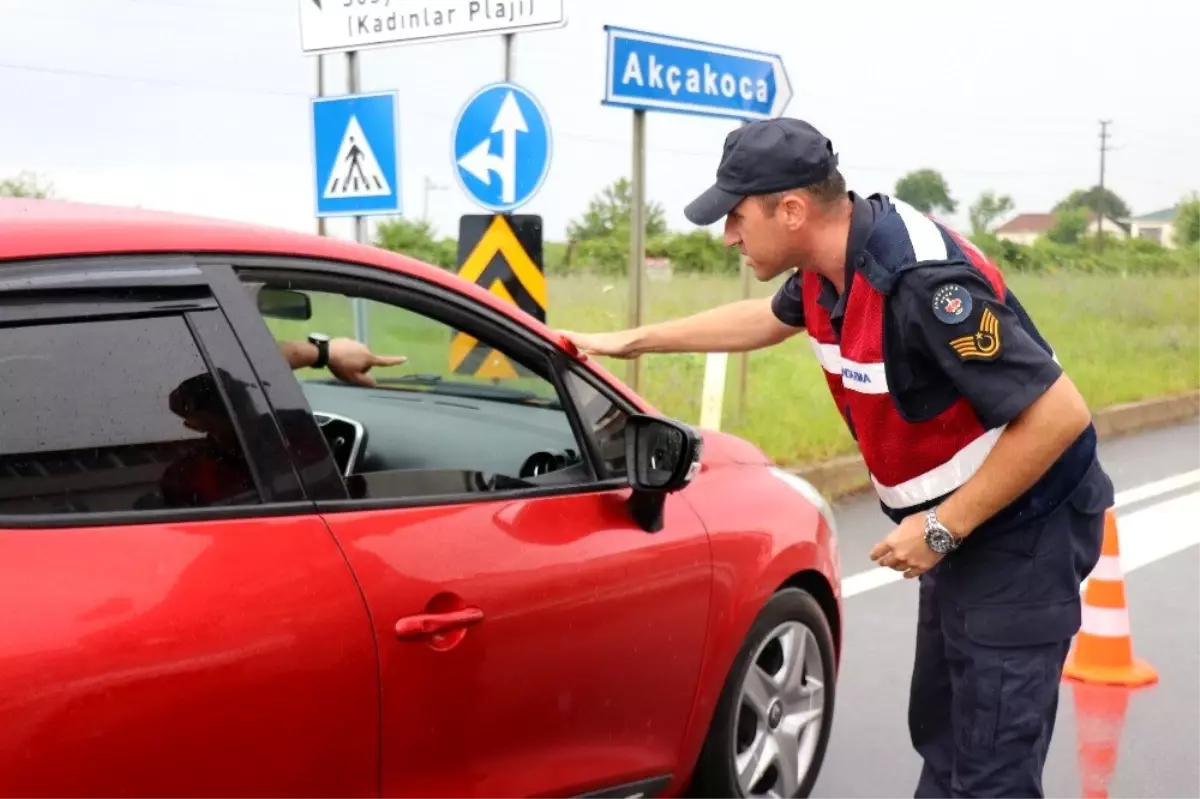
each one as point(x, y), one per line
point(356, 154)
point(652, 72)
point(502, 146)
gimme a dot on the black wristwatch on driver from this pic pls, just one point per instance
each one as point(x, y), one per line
point(321, 342)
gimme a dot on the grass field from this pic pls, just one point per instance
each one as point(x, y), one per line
point(1121, 339)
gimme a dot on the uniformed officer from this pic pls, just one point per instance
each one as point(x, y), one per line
point(980, 448)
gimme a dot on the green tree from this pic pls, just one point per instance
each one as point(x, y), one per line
point(1187, 221)
point(417, 240)
point(925, 190)
point(609, 214)
point(606, 254)
point(26, 184)
point(700, 251)
point(1106, 202)
point(987, 209)
point(1069, 225)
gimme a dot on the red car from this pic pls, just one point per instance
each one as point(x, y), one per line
point(222, 577)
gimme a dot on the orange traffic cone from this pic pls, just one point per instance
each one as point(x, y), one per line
point(1103, 651)
point(1099, 720)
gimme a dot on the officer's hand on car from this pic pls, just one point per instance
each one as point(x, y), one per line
point(615, 345)
point(905, 549)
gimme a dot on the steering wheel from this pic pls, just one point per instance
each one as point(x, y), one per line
point(539, 463)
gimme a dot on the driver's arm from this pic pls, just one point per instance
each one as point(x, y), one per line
point(300, 354)
point(349, 360)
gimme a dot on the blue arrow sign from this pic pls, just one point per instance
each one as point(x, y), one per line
point(653, 72)
point(356, 154)
point(502, 146)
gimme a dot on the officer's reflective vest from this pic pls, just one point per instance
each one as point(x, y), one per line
point(910, 463)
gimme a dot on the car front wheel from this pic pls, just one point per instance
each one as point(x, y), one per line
point(771, 725)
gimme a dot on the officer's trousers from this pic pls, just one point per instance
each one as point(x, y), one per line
point(995, 623)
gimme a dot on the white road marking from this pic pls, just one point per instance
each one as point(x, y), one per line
point(1157, 488)
point(1158, 531)
point(1145, 536)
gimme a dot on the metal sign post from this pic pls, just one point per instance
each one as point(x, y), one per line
point(360, 222)
point(637, 238)
point(654, 72)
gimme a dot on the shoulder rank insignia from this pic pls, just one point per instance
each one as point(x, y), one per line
point(982, 345)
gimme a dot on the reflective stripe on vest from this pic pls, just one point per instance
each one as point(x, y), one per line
point(910, 463)
point(938, 481)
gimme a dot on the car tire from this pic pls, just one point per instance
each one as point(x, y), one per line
point(715, 774)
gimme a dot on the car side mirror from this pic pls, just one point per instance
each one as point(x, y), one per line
point(284, 304)
point(661, 456)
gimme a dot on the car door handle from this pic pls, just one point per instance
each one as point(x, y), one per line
point(426, 624)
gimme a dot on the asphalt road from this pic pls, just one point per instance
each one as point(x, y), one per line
point(1158, 505)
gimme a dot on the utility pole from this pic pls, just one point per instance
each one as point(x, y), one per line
point(1100, 201)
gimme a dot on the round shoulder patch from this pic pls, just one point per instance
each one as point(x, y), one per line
point(951, 303)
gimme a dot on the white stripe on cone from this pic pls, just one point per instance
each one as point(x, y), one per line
point(1108, 568)
point(1105, 622)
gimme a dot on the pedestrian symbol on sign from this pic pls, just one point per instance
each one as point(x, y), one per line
point(356, 171)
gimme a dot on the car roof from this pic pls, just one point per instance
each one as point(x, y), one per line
point(40, 228)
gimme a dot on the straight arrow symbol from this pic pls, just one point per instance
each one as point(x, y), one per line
point(508, 122)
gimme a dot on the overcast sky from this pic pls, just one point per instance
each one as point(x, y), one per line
point(203, 105)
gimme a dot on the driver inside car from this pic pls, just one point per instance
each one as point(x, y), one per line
point(216, 472)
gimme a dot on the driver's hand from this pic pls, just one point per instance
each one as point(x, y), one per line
point(351, 361)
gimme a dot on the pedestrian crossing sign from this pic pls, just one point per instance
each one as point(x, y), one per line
point(356, 154)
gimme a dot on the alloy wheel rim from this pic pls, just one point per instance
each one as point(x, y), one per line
point(780, 713)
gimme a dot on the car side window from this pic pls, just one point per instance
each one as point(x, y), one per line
point(461, 416)
point(605, 421)
point(114, 415)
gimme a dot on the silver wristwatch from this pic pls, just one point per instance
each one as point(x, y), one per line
point(937, 537)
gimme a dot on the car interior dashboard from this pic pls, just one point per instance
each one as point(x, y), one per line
point(444, 438)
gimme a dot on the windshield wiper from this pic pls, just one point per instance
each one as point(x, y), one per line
point(421, 378)
point(466, 389)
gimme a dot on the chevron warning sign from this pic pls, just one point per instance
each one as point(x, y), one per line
point(502, 253)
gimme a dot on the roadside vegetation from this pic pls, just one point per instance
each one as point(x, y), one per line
point(1122, 314)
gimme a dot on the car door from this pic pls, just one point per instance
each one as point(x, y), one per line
point(177, 620)
point(532, 641)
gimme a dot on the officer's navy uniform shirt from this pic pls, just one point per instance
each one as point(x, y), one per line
point(925, 376)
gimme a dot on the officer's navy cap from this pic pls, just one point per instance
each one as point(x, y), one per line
point(763, 158)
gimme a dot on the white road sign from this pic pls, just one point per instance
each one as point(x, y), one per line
point(333, 25)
